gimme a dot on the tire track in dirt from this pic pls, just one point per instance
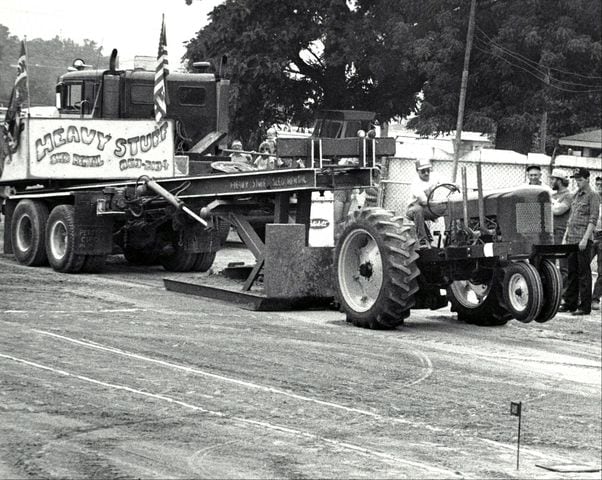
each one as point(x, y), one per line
point(375, 415)
point(385, 457)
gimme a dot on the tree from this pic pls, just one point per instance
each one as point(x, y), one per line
point(288, 58)
point(529, 57)
point(46, 61)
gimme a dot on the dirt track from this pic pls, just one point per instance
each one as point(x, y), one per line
point(110, 375)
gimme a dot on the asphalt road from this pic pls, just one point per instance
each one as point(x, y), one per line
point(111, 376)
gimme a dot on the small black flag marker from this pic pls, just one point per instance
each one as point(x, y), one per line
point(516, 410)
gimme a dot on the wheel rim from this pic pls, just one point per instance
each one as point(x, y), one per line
point(469, 294)
point(24, 233)
point(360, 270)
point(58, 240)
point(518, 292)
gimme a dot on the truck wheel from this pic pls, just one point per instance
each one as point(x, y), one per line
point(60, 240)
point(478, 303)
point(523, 291)
point(28, 232)
point(178, 261)
point(135, 256)
point(376, 270)
point(551, 281)
point(203, 261)
point(94, 263)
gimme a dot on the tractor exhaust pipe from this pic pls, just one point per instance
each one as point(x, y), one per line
point(480, 200)
point(464, 196)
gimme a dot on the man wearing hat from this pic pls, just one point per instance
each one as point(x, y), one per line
point(561, 208)
point(534, 175)
point(580, 227)
point(420, 190)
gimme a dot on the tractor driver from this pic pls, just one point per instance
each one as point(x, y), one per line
point(420, 190)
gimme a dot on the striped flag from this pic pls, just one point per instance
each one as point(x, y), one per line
point(160, 91)
point(18, 96)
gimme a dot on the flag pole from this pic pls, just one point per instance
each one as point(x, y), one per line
point(27, 77)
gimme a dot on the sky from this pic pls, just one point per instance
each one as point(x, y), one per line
point(131, 26)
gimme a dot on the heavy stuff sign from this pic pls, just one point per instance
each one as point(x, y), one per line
point(96, 149)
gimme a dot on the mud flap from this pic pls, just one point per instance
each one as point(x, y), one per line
point(94, 232)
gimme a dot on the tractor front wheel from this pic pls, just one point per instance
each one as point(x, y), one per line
point(551, 281)
point(478, 303)
point(376, 270)
point(523, 291)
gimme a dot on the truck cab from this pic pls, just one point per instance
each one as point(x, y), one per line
point(197, 102)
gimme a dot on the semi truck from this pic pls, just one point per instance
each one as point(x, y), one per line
point(101, 175)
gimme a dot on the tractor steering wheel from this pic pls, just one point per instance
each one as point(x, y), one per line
point(449, 186)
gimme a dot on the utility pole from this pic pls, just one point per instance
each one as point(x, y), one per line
point(544, 119)
point(463, 87)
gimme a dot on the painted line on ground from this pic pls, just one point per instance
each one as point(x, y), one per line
point(107, 310)
point(368, 413)
point(243, 383)
point(245, 421)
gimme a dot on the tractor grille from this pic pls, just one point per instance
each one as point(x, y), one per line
point(534, 217)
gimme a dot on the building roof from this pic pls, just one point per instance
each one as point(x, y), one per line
point(592, 139)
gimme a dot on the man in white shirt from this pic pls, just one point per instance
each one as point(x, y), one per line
point(420, 190)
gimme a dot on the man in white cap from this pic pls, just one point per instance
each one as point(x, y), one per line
point(420, 190)
point(561, 208)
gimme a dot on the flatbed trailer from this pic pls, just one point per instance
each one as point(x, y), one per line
point(181, 222)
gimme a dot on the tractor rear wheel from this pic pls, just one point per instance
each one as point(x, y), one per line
point(376, 270)
point(551, 281)
point(60, 240)
point(28, 232)
point(478, 303)
point(523, 291)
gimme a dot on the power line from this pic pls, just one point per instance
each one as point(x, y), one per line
point(545, 79)
point(528, 60)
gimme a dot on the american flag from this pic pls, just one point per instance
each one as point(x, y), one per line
point(18, 96)
point(160, 91)
point(20, 89)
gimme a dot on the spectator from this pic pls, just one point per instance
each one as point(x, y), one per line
point(597, 293)
point(534, 175)
point(561, 208)
point(239, 156)
point(420, 190)
point(268, 146)
point(580, 227)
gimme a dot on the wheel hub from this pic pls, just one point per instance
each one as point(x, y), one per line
point(360, 270)
point(366, 270)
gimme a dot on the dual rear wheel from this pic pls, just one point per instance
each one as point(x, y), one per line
point(39, 238)
point(518, 291)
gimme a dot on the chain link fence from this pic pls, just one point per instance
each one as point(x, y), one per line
point(504, 170)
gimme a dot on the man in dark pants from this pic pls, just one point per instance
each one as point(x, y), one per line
point(579, 230)
point(597, 293)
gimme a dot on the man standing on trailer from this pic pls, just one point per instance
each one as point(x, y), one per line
point(420, 190)
point(580, 227)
